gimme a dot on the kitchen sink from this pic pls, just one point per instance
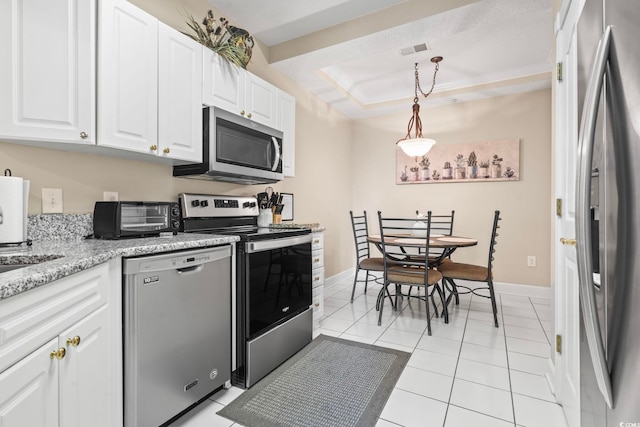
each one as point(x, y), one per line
point(20, 261)
point(9, 267)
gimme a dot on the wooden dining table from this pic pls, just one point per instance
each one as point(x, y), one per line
point(448, 244)
point(409, 242)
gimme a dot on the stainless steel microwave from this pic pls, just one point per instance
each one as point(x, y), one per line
point(236, 149)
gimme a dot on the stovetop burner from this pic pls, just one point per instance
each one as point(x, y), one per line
point(228, 215)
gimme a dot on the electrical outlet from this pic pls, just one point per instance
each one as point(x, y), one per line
point(110, 196)
point(52, 200)
point(531, 261)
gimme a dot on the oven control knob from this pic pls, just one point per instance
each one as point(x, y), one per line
point(175, 224)
point(246, 205)
point(175, 211)
point(204, 203)
point(195, 203)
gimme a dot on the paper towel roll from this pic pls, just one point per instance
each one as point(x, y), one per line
point(25, 207)
point(11, 209)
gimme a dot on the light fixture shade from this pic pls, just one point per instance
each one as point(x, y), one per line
point(416, 147)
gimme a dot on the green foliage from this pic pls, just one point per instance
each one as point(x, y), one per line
point(232, 43)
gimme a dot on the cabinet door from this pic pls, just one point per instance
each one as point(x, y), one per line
point(223, 83)
point(179, 96)
point(287, 124)
point(29, 390)
point(85, 376)
point(127, 77)
point(260, 101)
point(317, 302)
point(47, 83)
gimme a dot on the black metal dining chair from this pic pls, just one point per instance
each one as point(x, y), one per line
point(452, 271)
point(364, 261)
point(395, 237)
point(441, 224)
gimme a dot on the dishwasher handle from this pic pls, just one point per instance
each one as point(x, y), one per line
point(185, 261)
point(190, 270)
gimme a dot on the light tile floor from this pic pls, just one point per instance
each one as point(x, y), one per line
point(467, 373)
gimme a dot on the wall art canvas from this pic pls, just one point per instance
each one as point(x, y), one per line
point(488, 161)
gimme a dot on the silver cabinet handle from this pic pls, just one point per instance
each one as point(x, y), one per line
point(583, 229)
point(84, 135)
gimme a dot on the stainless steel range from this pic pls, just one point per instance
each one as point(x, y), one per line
point(273, 316)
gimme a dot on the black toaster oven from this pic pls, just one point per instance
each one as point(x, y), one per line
point(119, 219)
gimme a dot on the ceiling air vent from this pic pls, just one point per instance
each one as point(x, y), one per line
point(414, 49)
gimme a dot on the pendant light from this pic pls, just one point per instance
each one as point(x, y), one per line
point(418, 145)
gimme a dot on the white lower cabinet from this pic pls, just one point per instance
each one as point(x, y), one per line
point(317, 275)
point(59, 346)
point(84, 372)
point(29, 390)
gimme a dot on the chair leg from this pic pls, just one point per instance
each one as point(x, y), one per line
point(445, 310)
point(493, 301)
point(366, 281)
point(433, 301)
point(381, 297)
point(426, 302)
point(453, 290)
point(355, 280)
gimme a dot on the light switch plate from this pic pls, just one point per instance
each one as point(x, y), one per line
point(52, 200)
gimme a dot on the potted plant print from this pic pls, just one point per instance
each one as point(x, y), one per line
point(446, 171)
point(415, 174)
point(509, 173)
point(472, 166)
point(484, 169)
point(403, 176)
point(496, 167)
point(435, 176)
point(460, 168)
point(424, 165)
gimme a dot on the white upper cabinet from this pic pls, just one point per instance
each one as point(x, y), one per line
point(127, 77)
point(260, 104)
point(47, 72)
point(149, 85)
point(287, 124)
point(179, 96)
point(236, 90)
point(223, 84)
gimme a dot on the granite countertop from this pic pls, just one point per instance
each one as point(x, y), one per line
point(61, 258)
point(314, 226)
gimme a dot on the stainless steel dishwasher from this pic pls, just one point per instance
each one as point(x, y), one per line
point(176, 331)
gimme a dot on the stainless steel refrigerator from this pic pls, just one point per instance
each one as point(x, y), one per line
point(608, 212)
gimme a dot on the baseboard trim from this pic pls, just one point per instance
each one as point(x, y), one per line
point(499, 287)
point(344, 275)
point(522, 290)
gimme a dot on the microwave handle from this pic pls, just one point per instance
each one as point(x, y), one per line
point(276, 146)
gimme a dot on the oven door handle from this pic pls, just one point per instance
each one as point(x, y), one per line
point(265, 245)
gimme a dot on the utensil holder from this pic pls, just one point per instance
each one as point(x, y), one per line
point(265, 218)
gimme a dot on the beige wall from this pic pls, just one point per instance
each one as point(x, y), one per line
point(525, 204)
point(333, 175)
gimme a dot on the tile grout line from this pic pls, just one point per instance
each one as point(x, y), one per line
point(506, 349)
point(455, 371)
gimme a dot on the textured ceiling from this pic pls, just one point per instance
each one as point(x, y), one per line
point(347, 52)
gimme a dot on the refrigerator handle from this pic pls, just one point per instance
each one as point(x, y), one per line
point(583, 228)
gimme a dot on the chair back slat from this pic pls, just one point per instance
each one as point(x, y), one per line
point(404, 228)
point(360, 233)
point(440, 224)
point(494, 235)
